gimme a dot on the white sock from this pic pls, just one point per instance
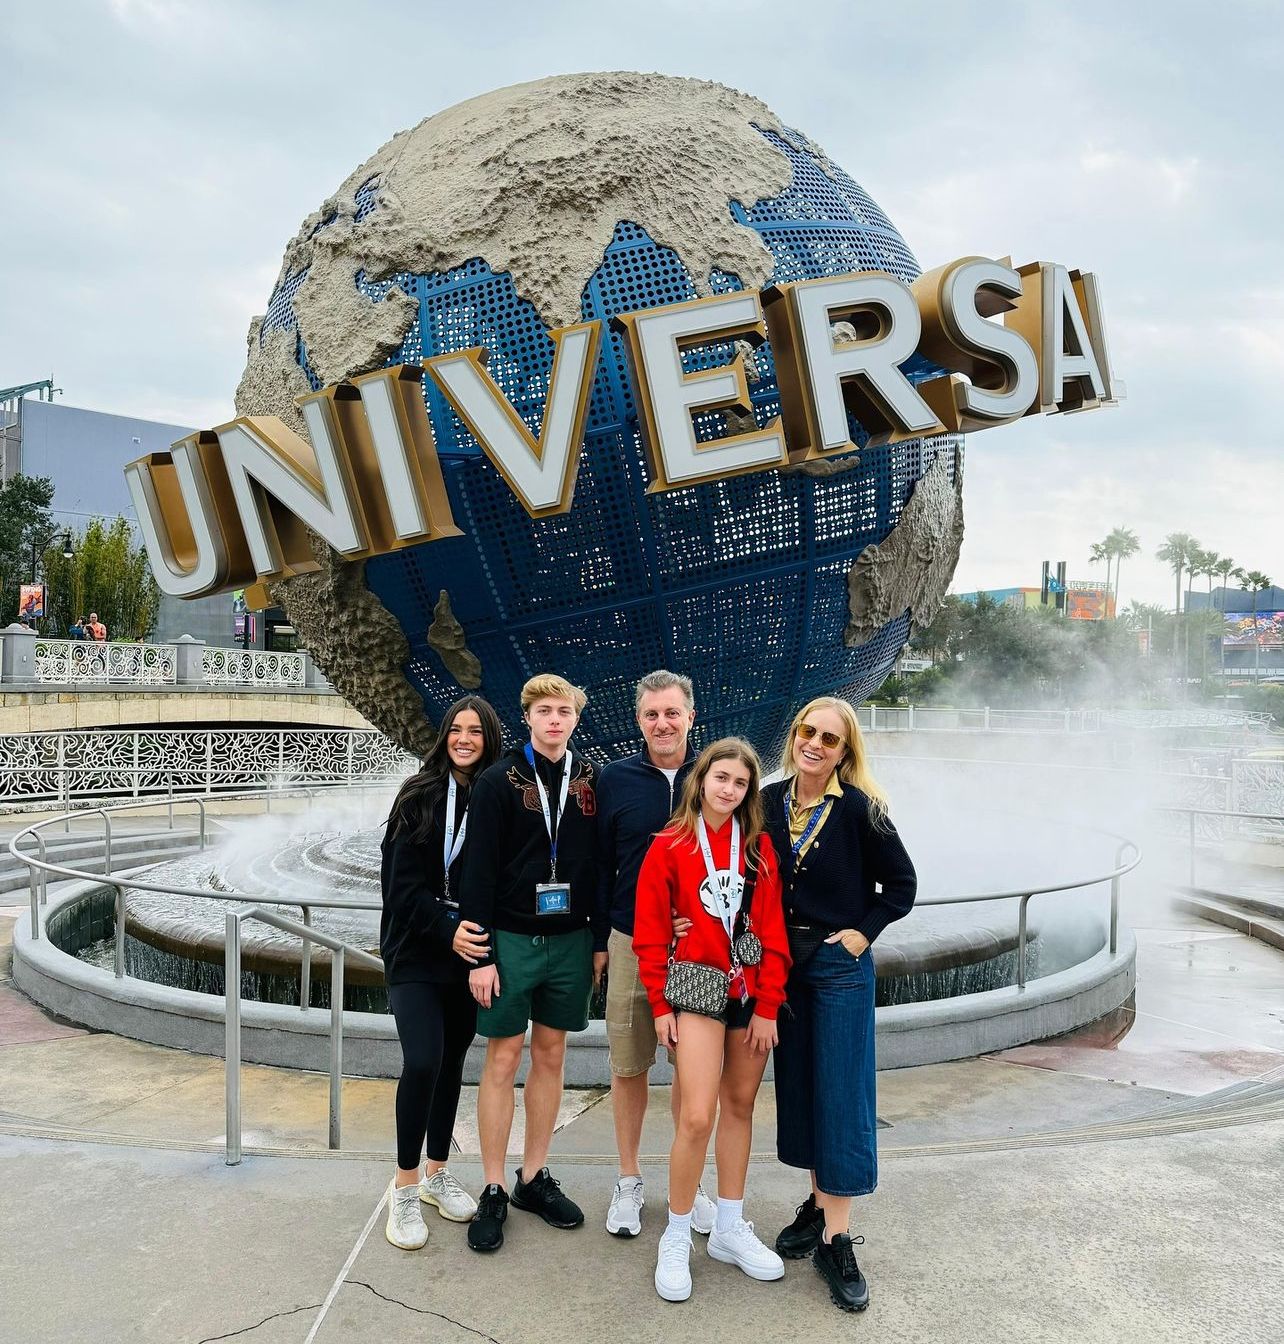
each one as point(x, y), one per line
point(680, 1222)
point(730, 1211)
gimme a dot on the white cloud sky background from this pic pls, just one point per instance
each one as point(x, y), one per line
point(162, 152)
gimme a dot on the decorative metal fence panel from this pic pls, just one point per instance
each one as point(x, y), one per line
point(248, 667)
point(68, 661)
point(64, 767)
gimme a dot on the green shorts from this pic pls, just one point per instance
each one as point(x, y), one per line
point(545, 979)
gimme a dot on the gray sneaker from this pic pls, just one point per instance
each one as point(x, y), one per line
point(624, 1217)
point(405, 1227)
point(450, 1198)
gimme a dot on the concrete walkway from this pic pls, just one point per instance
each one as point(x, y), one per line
point(1104, 1187)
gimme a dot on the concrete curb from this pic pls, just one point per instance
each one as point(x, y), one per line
point(907, 1034)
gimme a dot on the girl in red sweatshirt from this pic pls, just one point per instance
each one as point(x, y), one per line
point(714, 865)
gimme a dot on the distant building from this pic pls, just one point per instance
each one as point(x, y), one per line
point(1085, 600)
point(1252, 643)
point(84, 453)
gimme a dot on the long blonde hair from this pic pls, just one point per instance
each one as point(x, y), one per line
point(748, 814)
point(853, 768)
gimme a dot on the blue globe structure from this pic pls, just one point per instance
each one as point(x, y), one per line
point(741, 584)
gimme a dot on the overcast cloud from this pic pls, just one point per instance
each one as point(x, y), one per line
point(161, 153)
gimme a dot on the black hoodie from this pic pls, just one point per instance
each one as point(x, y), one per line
point(507, 850)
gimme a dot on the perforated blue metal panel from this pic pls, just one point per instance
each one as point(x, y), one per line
point(742, 584)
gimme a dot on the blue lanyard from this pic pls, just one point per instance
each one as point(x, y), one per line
point(817, 816)
point(550, 825)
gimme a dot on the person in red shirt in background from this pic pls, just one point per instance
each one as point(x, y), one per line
point(714, 865)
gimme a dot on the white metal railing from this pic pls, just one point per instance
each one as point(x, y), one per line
point(1127, 857)
point(939, 719)
point(64, 662)
point(39, 870)
point(931, 719)
point(249, 667)
point(96, 763)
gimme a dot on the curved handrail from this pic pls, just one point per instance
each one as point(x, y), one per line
point(341, 951)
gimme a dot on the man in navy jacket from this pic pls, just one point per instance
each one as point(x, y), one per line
point(636, 797)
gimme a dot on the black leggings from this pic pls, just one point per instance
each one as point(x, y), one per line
point(436, 1024)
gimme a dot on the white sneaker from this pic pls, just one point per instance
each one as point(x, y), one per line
point(451, 1199)
point(741, 1246)
point(704, 1213)
point(673, 1266)
point(405, 1226)
point(624, 1217)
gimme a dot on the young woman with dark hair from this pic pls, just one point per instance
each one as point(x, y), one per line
point(427, 982)
point(715, 1004)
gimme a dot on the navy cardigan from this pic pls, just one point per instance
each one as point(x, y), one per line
point(854, 875)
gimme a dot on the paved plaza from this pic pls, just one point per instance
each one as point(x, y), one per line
point(1101, 1187)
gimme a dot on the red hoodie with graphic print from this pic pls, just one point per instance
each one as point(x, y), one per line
point(670, 880)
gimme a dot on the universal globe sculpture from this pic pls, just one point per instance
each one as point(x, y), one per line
point(581, 197)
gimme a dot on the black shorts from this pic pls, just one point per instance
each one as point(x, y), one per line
point(734, 1016)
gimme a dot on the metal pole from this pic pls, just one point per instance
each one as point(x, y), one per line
point(35, 907)
point(106, 816)
point(873, 717)
point(232, 1039)
point(200, 802)
point(1021, 927)
point(305, 973)
point(336, 1044)
point(44, 876)
point(120, 932)
point(169, 788)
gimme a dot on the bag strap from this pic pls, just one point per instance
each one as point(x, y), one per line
point(746, 901)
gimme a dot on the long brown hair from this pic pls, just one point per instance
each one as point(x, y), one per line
point(411, 814)
point(853, 768)
point(748, 814)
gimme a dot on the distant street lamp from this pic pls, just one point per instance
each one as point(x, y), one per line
point(38, 548)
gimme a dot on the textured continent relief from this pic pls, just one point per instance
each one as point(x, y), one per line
point(509, 179)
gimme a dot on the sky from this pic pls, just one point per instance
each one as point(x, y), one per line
point(161, 153)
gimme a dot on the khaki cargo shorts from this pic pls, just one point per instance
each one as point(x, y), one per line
point(630, 1028)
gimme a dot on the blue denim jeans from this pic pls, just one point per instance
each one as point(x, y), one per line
point(825, 1088)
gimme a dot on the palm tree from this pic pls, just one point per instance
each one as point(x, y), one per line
point(1203, 562)
point(1122, 543)
point(1098, 554)
point(1227, 569)
point(1176, 551)
point(1254, 582)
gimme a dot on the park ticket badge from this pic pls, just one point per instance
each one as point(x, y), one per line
point(552, 898)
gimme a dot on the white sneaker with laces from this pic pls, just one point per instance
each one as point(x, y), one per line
point(704, 1213)
point(451, 1199)
point(740, 1246)
point(405, 1227)
point(673, 1266)
point(624, 1217)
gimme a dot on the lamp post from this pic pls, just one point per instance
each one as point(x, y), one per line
point(38, 548)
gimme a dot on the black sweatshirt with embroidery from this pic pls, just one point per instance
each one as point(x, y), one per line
point(506, 853)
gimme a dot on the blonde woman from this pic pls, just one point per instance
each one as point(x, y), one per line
point(715, 1001)
point(845, 876)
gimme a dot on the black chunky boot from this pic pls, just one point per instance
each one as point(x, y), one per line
point(803, 1234)
point(836, 1263)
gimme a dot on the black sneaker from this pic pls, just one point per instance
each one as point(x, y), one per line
point(802, 1235)
point(836, 1264)
point(543, 1195)
point(486, 1231)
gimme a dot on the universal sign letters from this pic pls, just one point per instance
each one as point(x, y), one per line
point(226, 507)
